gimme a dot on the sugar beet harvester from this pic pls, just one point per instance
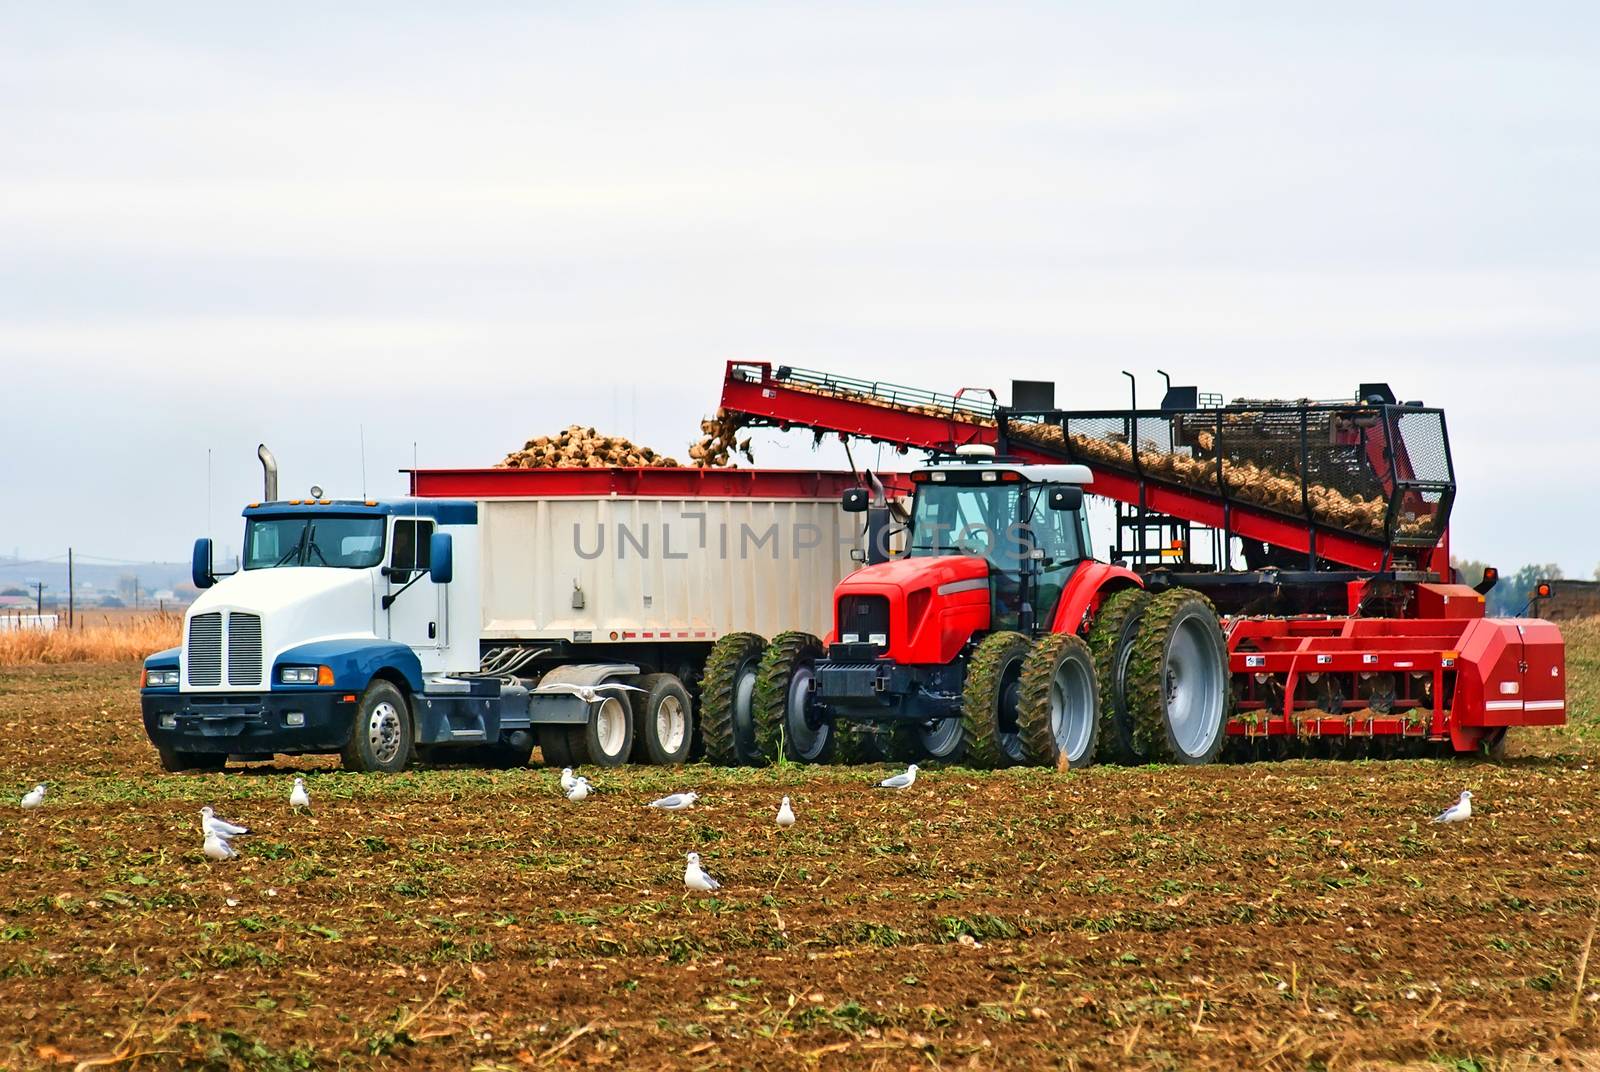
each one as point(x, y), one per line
point(996, 638)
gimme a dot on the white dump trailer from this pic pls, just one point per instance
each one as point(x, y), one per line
point(496, 609)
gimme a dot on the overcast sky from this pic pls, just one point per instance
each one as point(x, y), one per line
point(466, 224)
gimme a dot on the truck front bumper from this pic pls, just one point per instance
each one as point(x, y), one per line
point(252, 723)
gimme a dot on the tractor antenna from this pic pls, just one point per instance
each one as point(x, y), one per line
point(363, 433)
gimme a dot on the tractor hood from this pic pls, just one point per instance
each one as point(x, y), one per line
point(911, 574)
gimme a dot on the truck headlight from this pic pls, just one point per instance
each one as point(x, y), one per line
point(169, 722)
point(160, 678)
point(306, 675)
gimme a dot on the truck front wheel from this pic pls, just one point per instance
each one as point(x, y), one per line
point(380, 740)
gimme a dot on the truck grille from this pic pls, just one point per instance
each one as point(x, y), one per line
point(205, 649)
point(244, 649)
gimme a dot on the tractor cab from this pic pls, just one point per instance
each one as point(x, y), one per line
point(982, 531)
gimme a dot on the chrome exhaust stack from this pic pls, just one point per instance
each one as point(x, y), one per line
point(269, 474)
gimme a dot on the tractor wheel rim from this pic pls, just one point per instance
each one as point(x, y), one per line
point(805, 740)
point(610, 726)
point(671, 726)
point(383, 731)
point(744, 724)
point(1071, 710)
point(1194, 687)
point(941, 737)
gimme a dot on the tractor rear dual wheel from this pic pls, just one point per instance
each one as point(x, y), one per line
point(1111, 639)
point(1177, 679)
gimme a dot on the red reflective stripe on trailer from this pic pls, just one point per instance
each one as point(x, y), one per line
point(620, 481)
point(629, 636)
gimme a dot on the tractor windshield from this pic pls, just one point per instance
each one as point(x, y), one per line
point(1000, 522)
point(341, 542)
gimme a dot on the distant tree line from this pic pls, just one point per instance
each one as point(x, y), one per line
point(1509, 598)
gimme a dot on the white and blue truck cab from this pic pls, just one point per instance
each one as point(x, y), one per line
point(496, 610)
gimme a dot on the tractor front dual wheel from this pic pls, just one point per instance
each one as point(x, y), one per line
point(1058, 712)
point(727, 700)
point(990, 734)
point(1176, 682)
point(785, 678)
point(1111, 639)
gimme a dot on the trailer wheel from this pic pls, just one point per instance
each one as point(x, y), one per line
point(606, 739)
point(784, 682)
point(662, 720)
point(192, 762)
point(1111, 643)
point(1058, 712)
point(1177, 679)
point(380, 739)
point(990, 735)
point(727, 693)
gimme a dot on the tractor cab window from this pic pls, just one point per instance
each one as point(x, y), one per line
point(412, 538)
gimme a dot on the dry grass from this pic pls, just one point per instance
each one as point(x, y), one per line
point(125, 638)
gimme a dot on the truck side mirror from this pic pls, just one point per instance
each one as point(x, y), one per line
point(1070, 498)
point(200, 564)
point(441, 558)
point(856, 501)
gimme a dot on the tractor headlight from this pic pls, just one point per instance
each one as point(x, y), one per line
point(160, 678)
point(305, 675)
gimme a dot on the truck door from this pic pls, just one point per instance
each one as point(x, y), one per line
point(414, 614)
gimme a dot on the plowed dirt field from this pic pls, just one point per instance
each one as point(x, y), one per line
point(1290, 915)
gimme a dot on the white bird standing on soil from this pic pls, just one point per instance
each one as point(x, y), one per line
point(586, 693)
point(1459, 812)
point(579, 790)
point(211, 825)
point(676, 802)
point(33, 797)
point(217, 848)
point(567, 780)
point(785, 814)
point(900, 781)
point(298, 797)
point(697, 879)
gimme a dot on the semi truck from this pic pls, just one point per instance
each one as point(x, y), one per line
point(491, 611)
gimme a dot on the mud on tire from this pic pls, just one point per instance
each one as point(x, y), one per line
point(1177, 680)
point(989, 699)
point(1059, 710)
point(726, 693)
point(783, 680)
point(1110, 640)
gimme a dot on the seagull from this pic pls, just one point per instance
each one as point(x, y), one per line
point(676, 802)
point(785, 814)
point(1459, 812)
point(900, 781)
point(217, 848)
point(696, 879)
point(298, 797)
point(567, 780)
point(211, 825)
point(34, 797)
point(586, 693)
point(579, 790)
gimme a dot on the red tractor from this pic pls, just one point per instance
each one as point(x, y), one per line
point(995, 638)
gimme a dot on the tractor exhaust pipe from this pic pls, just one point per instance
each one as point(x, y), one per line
point(269, 474)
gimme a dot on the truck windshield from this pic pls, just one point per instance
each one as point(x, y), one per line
point(341, 542)
point(1000, 522)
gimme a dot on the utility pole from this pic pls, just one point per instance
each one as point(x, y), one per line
point(72, 593)
point(38, 597)
point(136, 592)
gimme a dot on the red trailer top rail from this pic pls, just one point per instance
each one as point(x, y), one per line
point(924, 420)
point(656, 482)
